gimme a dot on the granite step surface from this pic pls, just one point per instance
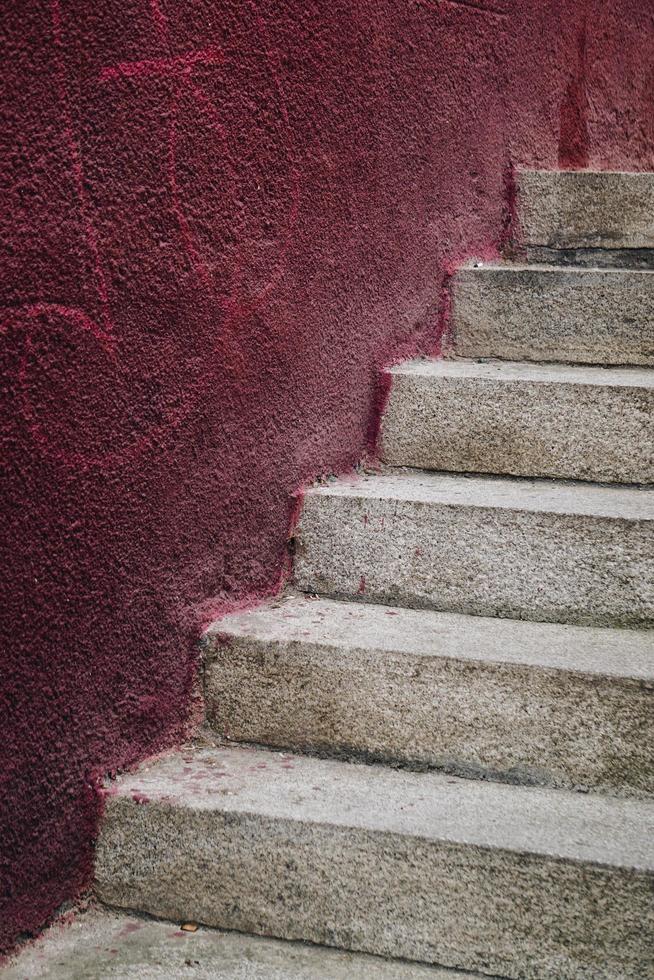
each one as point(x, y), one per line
point(488, 546)
point(548, 313)
point(520, 419)
point(530, 703)
point(586, 209)
point(104, 945)
point(505, 880)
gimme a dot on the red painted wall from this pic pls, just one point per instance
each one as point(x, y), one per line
point(218, 220)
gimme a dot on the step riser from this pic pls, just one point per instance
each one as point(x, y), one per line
point(586, 316)
point(589, 258)
point(487, 562)
point(578, 432)
point(500, 721)
point(586, 210)
point(394, 895)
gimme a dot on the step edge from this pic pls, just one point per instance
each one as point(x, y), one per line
point(353, 491)
point(642, 681)
point(221, 632)
point(587, 172)
point(571, 375)
point(471, 269)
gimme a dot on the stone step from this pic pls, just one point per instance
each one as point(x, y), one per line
point(512, 881)
point(104, 945)
point(549, 313)
point(553, 420)
point(589, 258)
point(586, 209)
point(487, 546)
point(534, 703)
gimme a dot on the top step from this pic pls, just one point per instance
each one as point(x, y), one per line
point(586, 209)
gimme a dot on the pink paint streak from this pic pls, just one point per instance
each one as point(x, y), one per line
point(574, 136)
point(180, 65)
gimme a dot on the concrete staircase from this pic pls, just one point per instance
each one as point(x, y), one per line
point(459, 766)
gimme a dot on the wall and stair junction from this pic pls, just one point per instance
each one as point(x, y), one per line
point(437, 746)
point(221, 222)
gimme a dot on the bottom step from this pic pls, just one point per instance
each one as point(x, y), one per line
point(101, 945)
point(512, 881)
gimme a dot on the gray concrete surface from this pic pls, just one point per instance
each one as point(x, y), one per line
point(554, 420)
point(524, 702)
point(586, 209)
point(105, 945)
point(489, 546)
point(508, 880)
point(547, 313)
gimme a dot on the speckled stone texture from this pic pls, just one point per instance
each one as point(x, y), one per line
point(507, 880)
point(544, 313)
point(587, 258)
point(519, 549)
point(578, 423)
point(103, 945)
point(523, 702)
point(586, 209)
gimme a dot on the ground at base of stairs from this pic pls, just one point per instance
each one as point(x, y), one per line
point(104, 945)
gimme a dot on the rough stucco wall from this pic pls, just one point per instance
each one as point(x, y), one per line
point(218, 221)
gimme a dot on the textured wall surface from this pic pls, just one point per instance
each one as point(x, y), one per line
point(218, 221)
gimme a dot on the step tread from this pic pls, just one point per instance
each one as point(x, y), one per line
point(576, 176)
point(598, 831)
point(104, 945)
point(571, 272)
point(491, 492)
point(332, 623)
point(535, 373)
